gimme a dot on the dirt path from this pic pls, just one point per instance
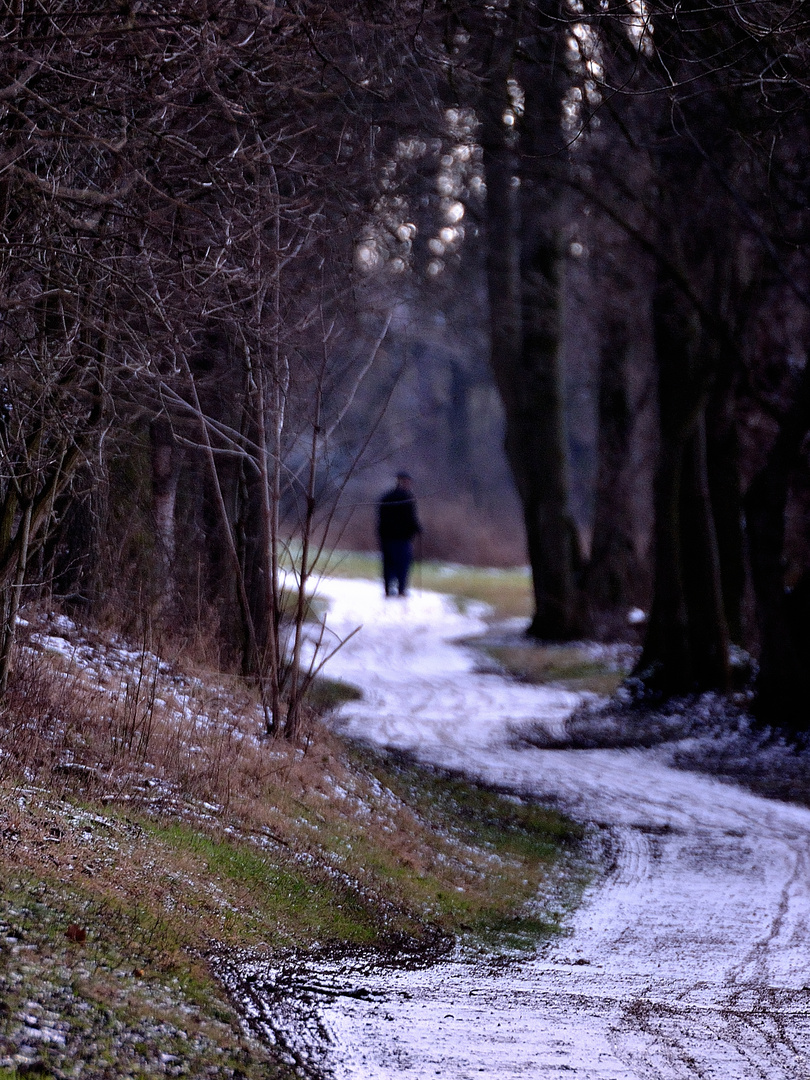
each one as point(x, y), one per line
point(691, 959)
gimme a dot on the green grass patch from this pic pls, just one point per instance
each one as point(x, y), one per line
point(77, 973)
point(572, 667)
point(508, 592)
point(495, 856)
point(349, 564)
point(432, 854)
point(30, 1072)
point(325, 694)
point(314, 609)
point(267, 898)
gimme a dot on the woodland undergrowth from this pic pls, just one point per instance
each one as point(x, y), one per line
point(149, 825)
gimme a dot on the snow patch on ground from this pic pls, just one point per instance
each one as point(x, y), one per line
point(690, 959)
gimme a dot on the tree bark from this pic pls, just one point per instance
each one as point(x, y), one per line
point(524, 274)
point(783, 681)
point(723, 463)
point(686, 646)
point(11, 601)
point(538, 449)
point(615, 576)
point(708, 629)
point(165, 476)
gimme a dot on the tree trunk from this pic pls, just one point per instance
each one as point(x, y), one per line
point(665, 665)
point(708, 629)
point(524, 269)
point(615, 576)
point(686, 646)
point(723, 458)
point(783, 682)
point(165, 475)
point(538, 449)
point(12, 597)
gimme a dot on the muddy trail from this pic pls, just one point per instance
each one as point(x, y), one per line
point(690, 957)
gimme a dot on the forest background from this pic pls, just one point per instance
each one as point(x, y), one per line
point(254, 256)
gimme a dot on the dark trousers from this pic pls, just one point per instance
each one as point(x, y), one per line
point(397, 557)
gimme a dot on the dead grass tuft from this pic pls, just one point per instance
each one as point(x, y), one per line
point(115, 723)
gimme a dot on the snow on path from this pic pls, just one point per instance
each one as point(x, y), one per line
point(691, 959)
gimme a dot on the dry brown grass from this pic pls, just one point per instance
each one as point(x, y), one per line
point(89, 722)
point(113, 726)
point(113, 723)
point(146, 823)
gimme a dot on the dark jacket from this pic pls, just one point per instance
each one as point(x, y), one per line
point(396, 516)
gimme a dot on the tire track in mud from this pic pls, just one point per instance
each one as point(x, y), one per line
point(745, 1037)
point(754, 966)
point(661, 1039)
point(755, 1045)
point(688, 959)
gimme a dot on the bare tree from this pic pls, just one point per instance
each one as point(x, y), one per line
point(186, 194)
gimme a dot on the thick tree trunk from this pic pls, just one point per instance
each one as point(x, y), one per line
point(686, 646)
point(529, 377)
point(554, 548)
point(783, 682)
point(708, 629)
point(538, 448)
point(524, 267)
point(723, 460)
point(665, 665)
point(615, 576)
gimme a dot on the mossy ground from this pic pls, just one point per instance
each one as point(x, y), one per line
point(573, 667)
point(400, 857)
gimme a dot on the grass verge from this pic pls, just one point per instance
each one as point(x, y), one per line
point(516, 865)
point(582, 666)
point(148, 830)
point(88, 989)
point(113, 916)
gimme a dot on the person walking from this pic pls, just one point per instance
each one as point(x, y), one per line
point(397, 525)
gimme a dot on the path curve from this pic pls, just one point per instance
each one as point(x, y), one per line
point(691, 959)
